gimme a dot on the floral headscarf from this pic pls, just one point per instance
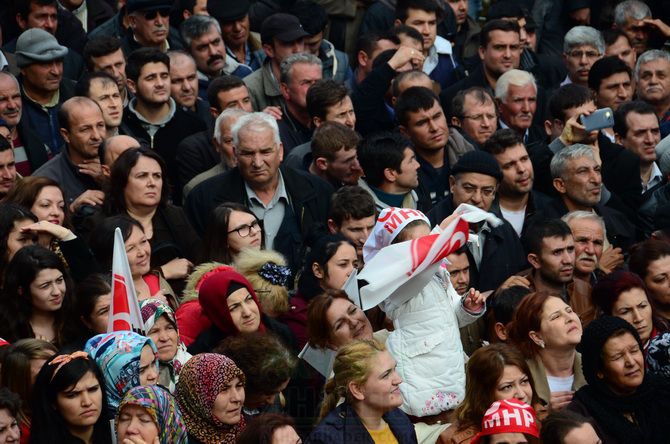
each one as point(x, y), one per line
point(118, 356)
point(152, 310)
point(162, 407)
point(203, 377)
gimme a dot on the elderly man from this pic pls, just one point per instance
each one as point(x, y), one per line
point(582, 46)
point(474, 115)
point(588, 231)
point(77, 167)
point(287, 201)
point(149, 26)
point(40, 59)
point(652, 76)
point(633, 17)
point(202, 37)
point(103, 90)
point(516, 96)
point(577, 179)
point(241, 44)
point(29, 151)
point(110, 150)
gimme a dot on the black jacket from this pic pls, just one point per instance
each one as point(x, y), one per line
point(503, 253)
point(621, 175)
point(372, 113)
point(535, 209)
point(310, 203)
point(195, 154)
point(98, 13)
point(36, 151)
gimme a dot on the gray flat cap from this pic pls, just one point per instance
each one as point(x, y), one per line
point(37, 45)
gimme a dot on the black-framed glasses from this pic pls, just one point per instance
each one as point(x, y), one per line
point(150, 15)
point(245, 230)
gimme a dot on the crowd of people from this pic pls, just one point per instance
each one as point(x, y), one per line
point(257, 155)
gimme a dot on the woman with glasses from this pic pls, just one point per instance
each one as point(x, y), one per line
point(232, 228)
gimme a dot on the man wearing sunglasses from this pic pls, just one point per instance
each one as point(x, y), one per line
point(149, 22)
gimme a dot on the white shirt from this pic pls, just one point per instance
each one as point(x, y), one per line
point(655, 178)
point(515, 218)
point(440, 46)
point(557, 384)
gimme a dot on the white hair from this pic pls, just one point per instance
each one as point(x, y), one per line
point(255, 122)
point(585, 215)
point(649, 56)
point(583, 35)
point(560, 160)
point(226, 116)
point(630, 9)
point(516, 77)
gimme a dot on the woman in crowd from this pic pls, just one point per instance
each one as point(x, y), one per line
point(651, 261)
point(150, 413)
point(626, 405)
point(229, 301)
point(232, 228)
point(327, 267)
point(126, 360)
point(44, 198)
point(268, 367)
point(37, 299)
point(268, 274)
point(13, 236)
point(20, 366)
point(161, 326)
point(495, 372)
point(149, 282)
point(93, 298)
point(623, 294)
point(518, 426)
point(547, 331)
point(10, 432)
point(365, 375)
point(270, 428)
point(138, 188)
point(210, 393)
point(69, 402)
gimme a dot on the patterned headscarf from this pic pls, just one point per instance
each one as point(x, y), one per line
point(118, 356)
point(162, 407)
point(203, 377)
point(152, 310)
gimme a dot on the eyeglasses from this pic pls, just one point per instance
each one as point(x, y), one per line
point(480, 117)
point(579, 54)
point(245, 230)
point(150, 15)
point(486, 191)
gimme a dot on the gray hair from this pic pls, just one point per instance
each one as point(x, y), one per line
point(516, 77)
point(559, 161)
point(11, 76)
point(649, 56)
point(288, 62)
point(585, 215)
point(226, 116)
point(255, 122)
point(583, 35)
point(630, 8)
point(196, 26)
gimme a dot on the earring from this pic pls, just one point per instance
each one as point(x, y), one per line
point(541, 344)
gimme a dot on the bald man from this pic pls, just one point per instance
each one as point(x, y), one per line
point(112, 148)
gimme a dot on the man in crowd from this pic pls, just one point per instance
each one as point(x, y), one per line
point(111, 148)
point(184, 86)
point(611, 81)
point(334, 154)
point(241, 44)
point(588, 232)
point(368, 47)
point(474, 115)
point(353, 215)
point(287, 201)
point(516, 95)
point(101, 88)
point(582, 47)
point(390, 169)
point(617, 44)
point(77, 167)
point(632, 17)
point(105, 54)
point(90, 13)
point(652, 77)
point(149, 26)
point(40, 59)
point(7, 168)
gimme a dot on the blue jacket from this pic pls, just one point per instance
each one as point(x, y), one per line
point(342, 425)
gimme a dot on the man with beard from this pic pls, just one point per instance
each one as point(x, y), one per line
point(152, 115)
point(652, 75)
point(583, 45)
point(203, 40)
point(149, 26)
point(516, 201)
point(29, 152)
point(77, 167)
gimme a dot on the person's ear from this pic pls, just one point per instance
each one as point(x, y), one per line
point(536, 338)
point(501, 331)
point(316, 121)
point(600, 375)
point(269, 50)
point(548, 129)
point(65, 134)
point(318, 272)
point(390, 175)
point(132, 21)
point(397, 22)
point(334, 229)
point(455, 121)
point(214, 112)
point(105, 171)
point(534, 260)
point(403, 130)
point(559, 185)
point(131, 86)
point(356, 391)
point(362, 58)
point(283, 88)
point(23, 23)
point(321, 163)
point(452, 183)
point(481, 50)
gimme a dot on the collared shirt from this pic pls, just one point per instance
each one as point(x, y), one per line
point(655, 178)
point(476, 242)
point(247, 54)
point(271, 214)
point(567, 81)
point(503, 125)
point(3, 62)
point(440, 46)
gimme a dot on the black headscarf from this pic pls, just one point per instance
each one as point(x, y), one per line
point(648, 405)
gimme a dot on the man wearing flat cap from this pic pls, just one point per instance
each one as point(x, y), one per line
point(241, 44)
point(282, 35)
point(494, 253)
point(149, 26)
point(43, 88)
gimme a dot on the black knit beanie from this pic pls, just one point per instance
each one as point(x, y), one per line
point(478, 162)
point(593, 340)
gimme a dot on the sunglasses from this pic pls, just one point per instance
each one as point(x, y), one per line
point(150, 15)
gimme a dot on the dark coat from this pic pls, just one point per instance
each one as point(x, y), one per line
point(621, 175)
point(343, 425)
point(196, 154)
point(503, 253)
point(372, 113)
point(36, 150)
point(98, 13)
point(110, 28)
point(129, 44)
point(535, 209)
point(310, 204)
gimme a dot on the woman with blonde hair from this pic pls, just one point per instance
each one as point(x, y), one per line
point(365, 376)
point(268, 274)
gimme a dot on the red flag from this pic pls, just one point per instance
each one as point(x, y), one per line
point(124, 312)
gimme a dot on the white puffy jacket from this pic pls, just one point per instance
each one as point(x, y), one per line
point(427, 346)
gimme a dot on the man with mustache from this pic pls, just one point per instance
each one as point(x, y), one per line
point(634, 18)
point(203, 40)
point(653, 84)
point(29, 151)
point(582, 46)
point(149, 26)
point(588, 231)
point(516, 96)
point(152, 115)
point(516, 201)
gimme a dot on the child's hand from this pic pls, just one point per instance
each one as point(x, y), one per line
point(474, 300)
